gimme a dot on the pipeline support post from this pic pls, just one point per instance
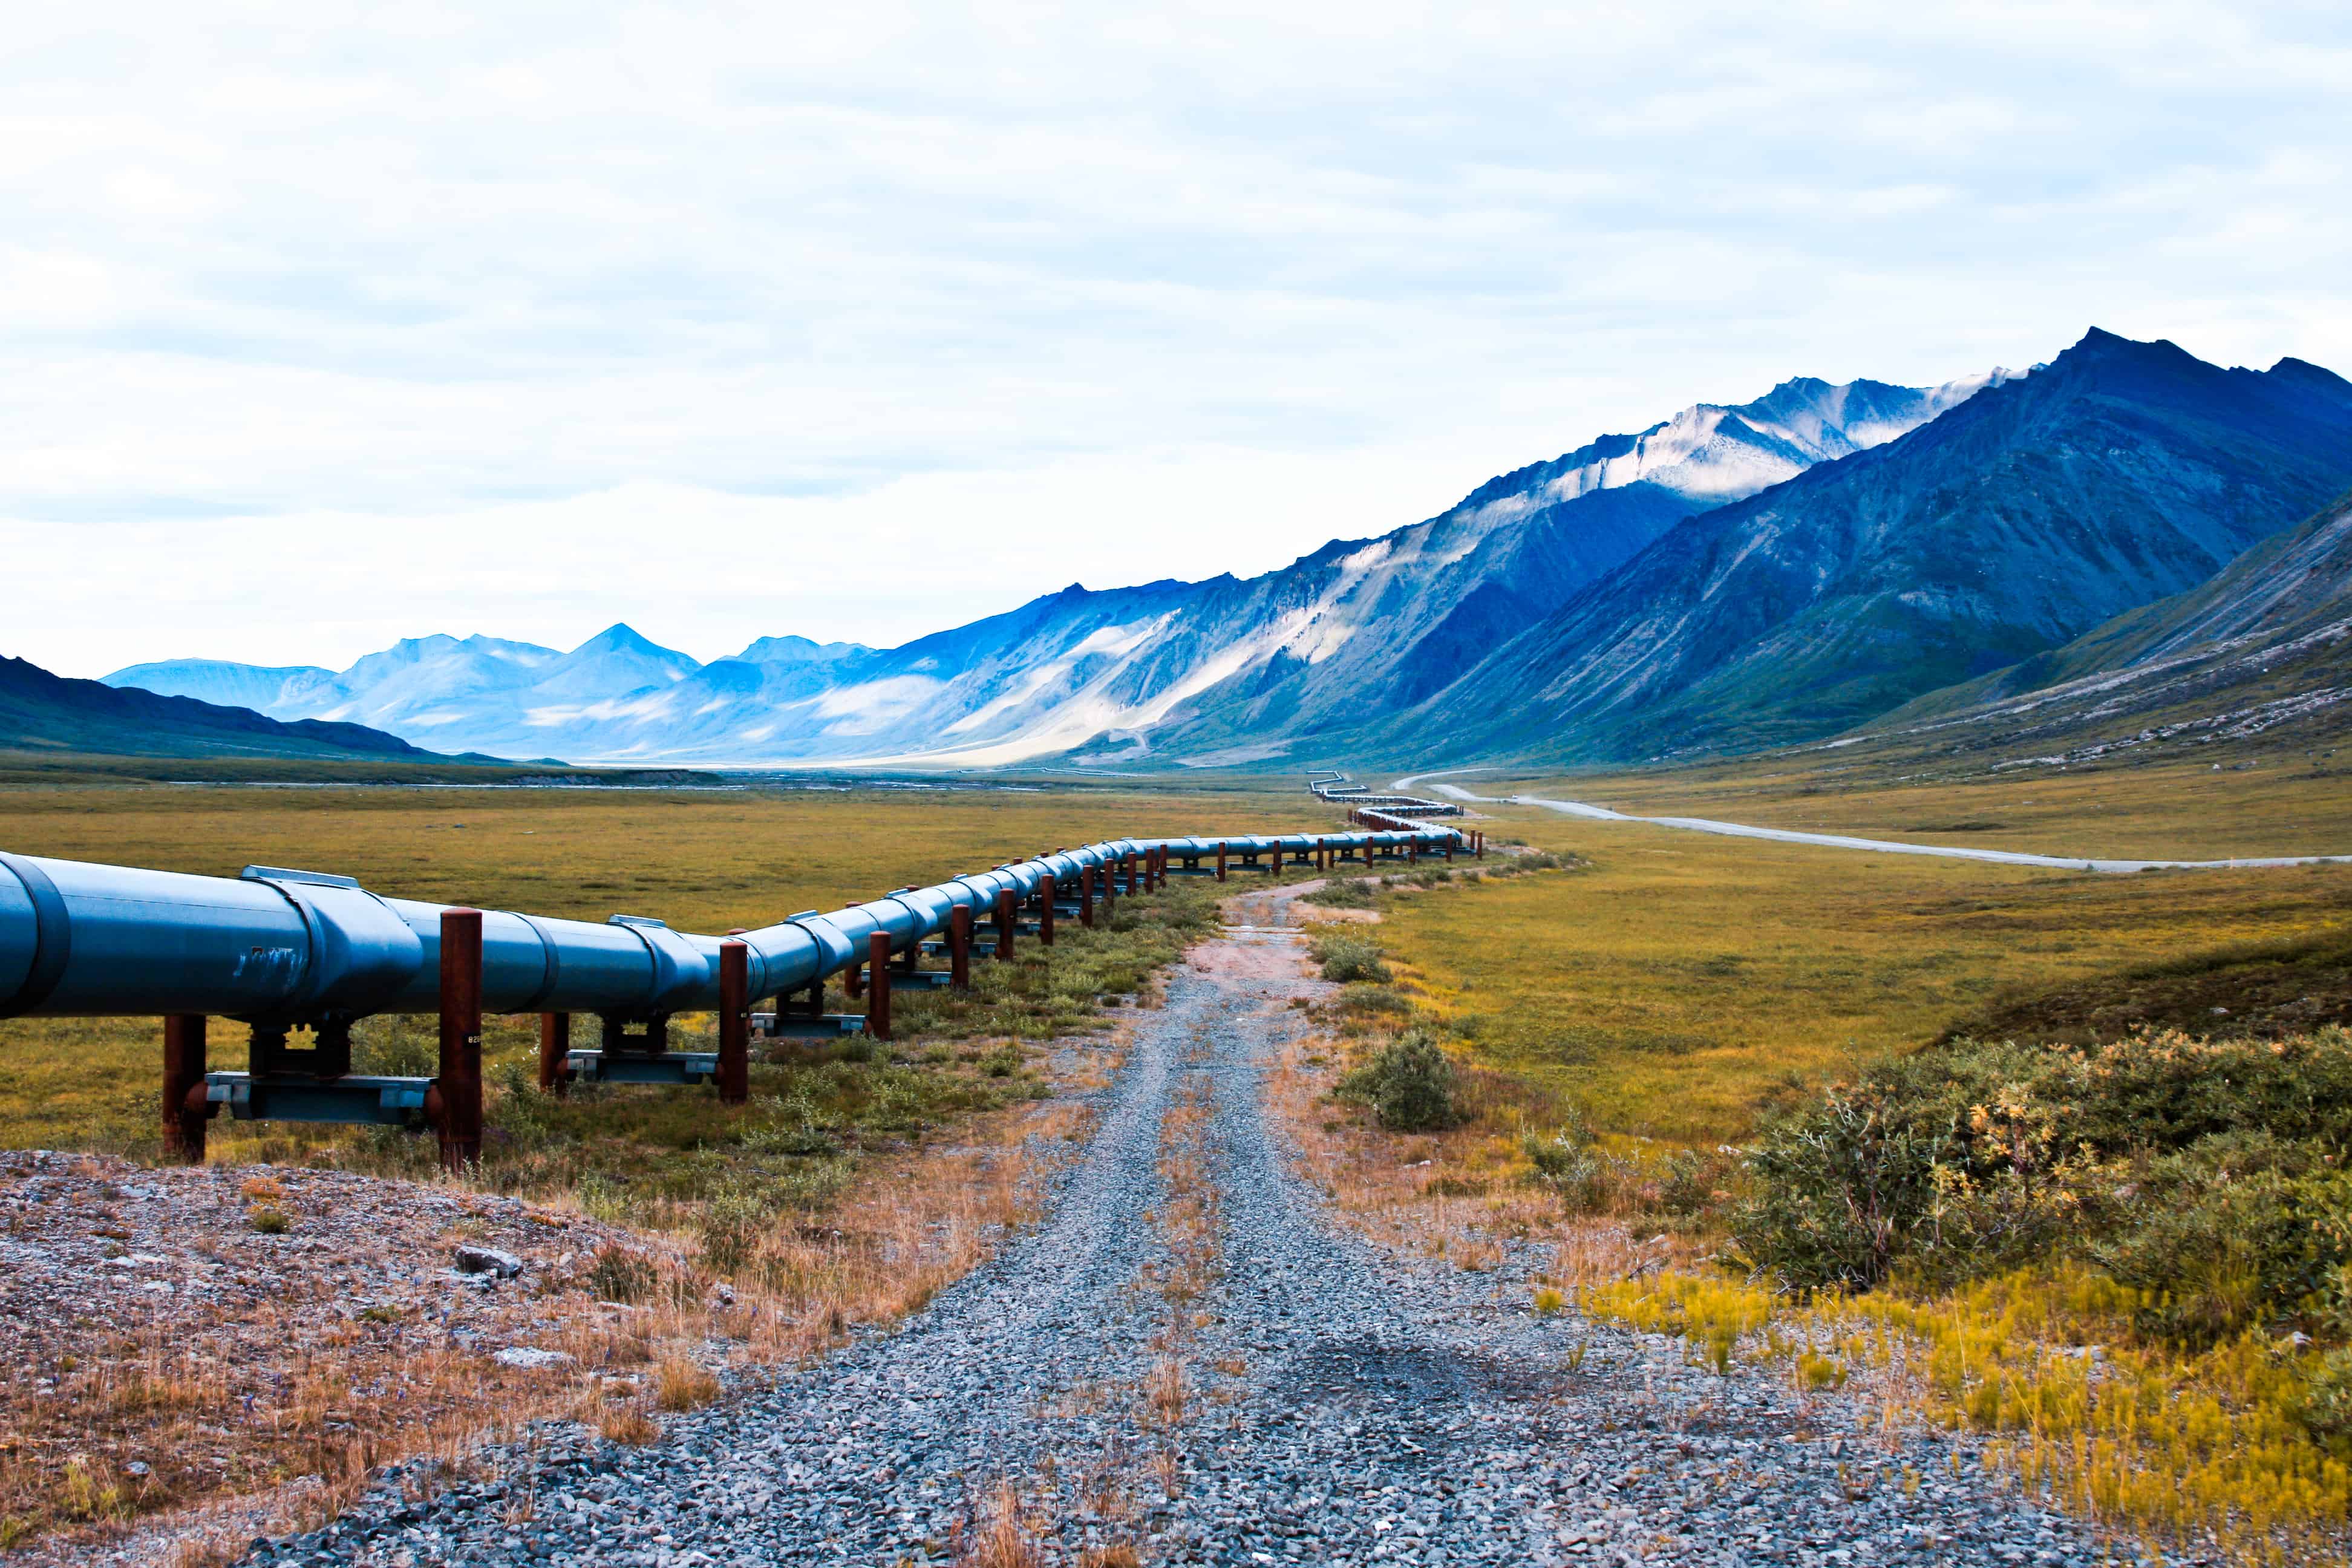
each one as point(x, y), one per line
point(1127, 863)
point(1220, 860)
point(1004, 926)
point(183, 1082)
point(460, 1081)
point(1277, 856)
point(1086, 897)
point(1045, 913)
point(878, 1006)
point(734, 1074)
point(853, 981)
point(555, 1053)
point(960, 948)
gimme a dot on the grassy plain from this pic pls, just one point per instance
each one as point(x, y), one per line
point(1682, 982)
point(2274, 803)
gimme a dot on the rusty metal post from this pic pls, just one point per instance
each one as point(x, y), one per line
point(1109, 890)
point(1046, 914)
point(878, 1005)
point(1277, 856)
point(459, 1083)
point(555, 1053)
point(1004, 926)
point(853, 982)
point(734, 1073)
point(1221, 861)
point(1449, 849)
point(959, 947)
point(1086, 896)
point(184, 1087)
point(1127, 863)
point(1478, 844)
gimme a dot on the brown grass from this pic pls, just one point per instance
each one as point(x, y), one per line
point(1001, 1537)
point(681, 1384)
point(336, 1402)
point(1459, 1195)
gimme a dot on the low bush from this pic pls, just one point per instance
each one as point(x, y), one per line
point(2201, 1175)
point(1345, 958)
point(1410, 1082)
point(1343, 893)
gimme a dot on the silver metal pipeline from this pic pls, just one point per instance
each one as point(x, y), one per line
point(82, 940)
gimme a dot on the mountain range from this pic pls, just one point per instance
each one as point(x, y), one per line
point(1783, 571)
point(1217, 672)
point(2121, 473)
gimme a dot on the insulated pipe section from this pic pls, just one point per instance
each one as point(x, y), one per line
point(81, 940)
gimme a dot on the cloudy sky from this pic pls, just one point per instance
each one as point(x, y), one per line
point(322, 326)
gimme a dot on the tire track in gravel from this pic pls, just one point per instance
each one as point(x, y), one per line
point(1344, 1405)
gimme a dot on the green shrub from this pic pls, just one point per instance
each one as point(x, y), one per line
point(1346, 958)
point(1410, 1083)
point(2222, 1243)
point(1343, 893)
point(2327, 1407)
point(2198, 1172)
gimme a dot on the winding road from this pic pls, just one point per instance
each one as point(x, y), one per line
point(1877, 845)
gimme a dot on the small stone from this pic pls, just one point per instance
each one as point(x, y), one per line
point(529, 1357)
point(487, 1260)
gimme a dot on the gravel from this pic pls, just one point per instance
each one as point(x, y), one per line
point(1344, 1405)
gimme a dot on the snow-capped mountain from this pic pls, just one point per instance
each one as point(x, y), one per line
point(2121, 473)
point(1203, 673)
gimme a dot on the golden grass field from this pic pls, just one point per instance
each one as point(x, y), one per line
point(1683, 980)
point(2276, 803)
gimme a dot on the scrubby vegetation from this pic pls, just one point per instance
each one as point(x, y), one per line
point(1346, 957)
point(2118, 1246)
point(2134, 1261)
point(1410, 1083)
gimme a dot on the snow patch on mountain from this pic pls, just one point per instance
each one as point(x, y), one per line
point(1358, 624)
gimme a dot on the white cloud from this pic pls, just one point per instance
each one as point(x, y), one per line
point(322, 325)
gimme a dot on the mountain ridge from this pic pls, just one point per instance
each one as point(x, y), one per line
point(1182, 672)
point(2121, 473)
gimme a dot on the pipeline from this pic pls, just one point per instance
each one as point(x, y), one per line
point(281, 947)
point(282, 951)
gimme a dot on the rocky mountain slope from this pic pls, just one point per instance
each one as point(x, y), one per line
point(2122, 473)
point(2262, 652)
point(1220, 672)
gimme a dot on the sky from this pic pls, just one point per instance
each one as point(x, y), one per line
point(322, 326)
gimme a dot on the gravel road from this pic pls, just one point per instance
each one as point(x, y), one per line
point(1336, 1404)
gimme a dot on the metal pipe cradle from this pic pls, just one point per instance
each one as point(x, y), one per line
point(276, 947)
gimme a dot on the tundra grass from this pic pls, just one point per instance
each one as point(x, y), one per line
point(2265, 803)
point(1679, 983)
